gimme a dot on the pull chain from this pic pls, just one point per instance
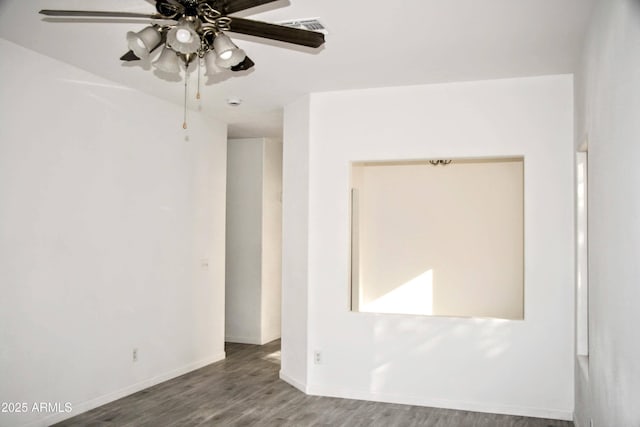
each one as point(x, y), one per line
point(198, 92)
point(186, 78)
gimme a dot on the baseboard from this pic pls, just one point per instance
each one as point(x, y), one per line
point(251, 340)
point(270, 338)
point(295, 383)
point(243, 340)
point(79, 408)
point(439, 403)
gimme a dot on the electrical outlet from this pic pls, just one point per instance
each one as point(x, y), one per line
point(135, 355)
point(317, 357)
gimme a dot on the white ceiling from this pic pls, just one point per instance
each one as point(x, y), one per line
point(371, 43)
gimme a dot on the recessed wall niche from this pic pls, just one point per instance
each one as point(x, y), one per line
point(440, 238)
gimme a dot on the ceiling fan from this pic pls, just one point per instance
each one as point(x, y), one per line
point(190, 29)
point(194, 28)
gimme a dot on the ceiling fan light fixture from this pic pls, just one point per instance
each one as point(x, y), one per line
point(236, 57)
point(183, 38)
point(144, 41)
point(228, 54)
point(168, 61)
point(192, 30)
point(210, 62)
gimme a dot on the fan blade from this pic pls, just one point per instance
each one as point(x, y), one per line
point(129, 56)
point(244, 65)
point(96, 14)
point(232, 6)
point(276, 32)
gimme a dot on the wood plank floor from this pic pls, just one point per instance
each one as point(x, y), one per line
point(244, 390)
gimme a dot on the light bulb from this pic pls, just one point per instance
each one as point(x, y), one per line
point(226, 55)
point(183, 35)
point(183, 38)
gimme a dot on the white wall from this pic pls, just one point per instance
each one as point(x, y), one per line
point(608, 102)
point(244, 241)
point(441, 240)
point(108, 209)
point(295, 246)
point(271, 307)
point(518, 367)
point(254, 241)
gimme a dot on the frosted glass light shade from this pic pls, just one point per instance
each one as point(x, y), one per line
point(168, 61)
point(210, 61)
point(144, 41)
point(183, 38)
point(228, 54)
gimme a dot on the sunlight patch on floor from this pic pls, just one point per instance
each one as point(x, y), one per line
point(273, 357)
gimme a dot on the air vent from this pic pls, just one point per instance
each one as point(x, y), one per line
point(312, 24)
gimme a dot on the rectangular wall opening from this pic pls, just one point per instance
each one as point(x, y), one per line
point(440, 238)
